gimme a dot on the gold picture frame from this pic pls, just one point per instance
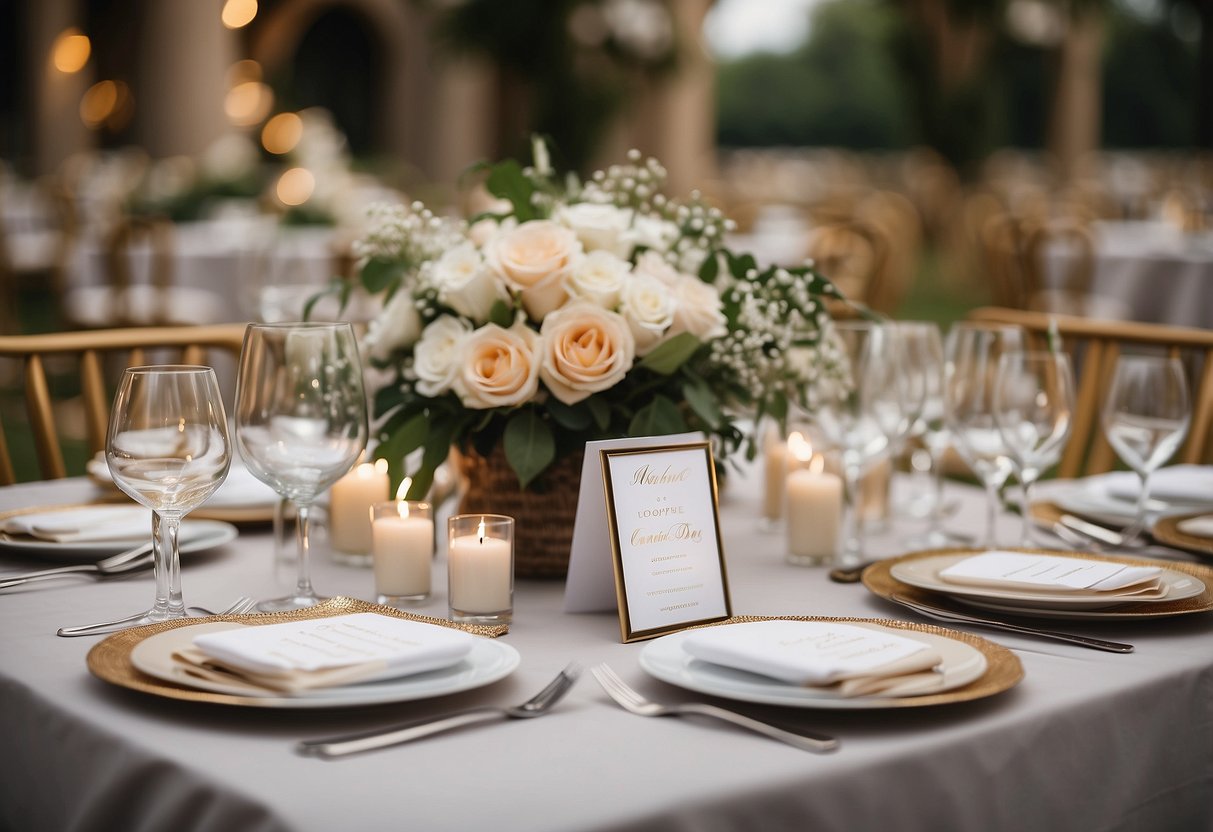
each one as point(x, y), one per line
point(628, 615)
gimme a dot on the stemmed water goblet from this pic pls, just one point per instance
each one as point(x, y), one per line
point(857, 422)
point(167, 447)
point(1033, 407)
point(301, 421)
point(972, 353)
point(1146, 417)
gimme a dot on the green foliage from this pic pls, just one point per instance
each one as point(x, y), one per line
point(529, 444)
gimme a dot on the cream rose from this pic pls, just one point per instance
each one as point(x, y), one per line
point(398, 325)
point(651, 233)
point(697, 309)
point(498, 367)
point(534, 259)
point(585, 349)
point(599, 277)
point(599, 227)
point(465, 284)
point(648, 308)
point(654, 265)
point(437, 356)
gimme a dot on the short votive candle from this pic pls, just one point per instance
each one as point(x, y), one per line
point(480, 568)
point(350, 501)
point(402, 551)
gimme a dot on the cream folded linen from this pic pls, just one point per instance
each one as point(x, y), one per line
point(324, 652)
point(1197, 526)
point(1191, 484)
point(94, 524)
point(1053, 574)
point(846, 659)
point(240, 489)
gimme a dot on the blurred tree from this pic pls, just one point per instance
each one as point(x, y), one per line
point(840, 88)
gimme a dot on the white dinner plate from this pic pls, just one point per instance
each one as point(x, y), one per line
point(667, 660)
point(196, 536)
point(489, 661)
point(924, 574)
point(1091, 498)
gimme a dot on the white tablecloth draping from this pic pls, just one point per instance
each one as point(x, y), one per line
point(1087, 741)
point(1153, 271)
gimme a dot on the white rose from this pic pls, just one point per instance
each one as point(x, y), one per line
point(654, 265)
point(498, 367)
point(648, 307)
point(437, 356)
point(599, 227)
point(697, 309)
point(600, 277)
point(398, 325)
point(652, 232)
point(486, 229)
point(534, 259)
point(465, 284)
point(584, 349)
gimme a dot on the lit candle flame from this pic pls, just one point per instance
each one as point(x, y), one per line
point(365, 471)
point(480, 530)
point(402, 508)
point(818, 464)
point(405, 485)
point(799, 447)
point(381, 466)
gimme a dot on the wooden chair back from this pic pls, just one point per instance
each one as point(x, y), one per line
point(1093, 346)
point(1078, 264)
point(89, 351)
point(851, 254)
point(129, 233)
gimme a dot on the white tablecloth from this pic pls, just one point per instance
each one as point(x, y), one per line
point(1088, 741)
point(1158, 273)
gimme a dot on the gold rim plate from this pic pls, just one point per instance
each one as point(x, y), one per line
point(1003, 669)
point(879, 580)
point(1167, 532)
point(110, 660)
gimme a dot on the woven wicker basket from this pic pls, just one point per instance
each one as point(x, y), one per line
point(543, 513)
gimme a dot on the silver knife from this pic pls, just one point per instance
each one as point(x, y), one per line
point(954, 617)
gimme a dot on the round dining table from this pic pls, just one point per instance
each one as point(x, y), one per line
point(1086, 741)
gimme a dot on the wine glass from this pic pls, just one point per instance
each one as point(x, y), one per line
point(971, 354)
point(301, 420)
point(924, 355)
point(1034, 410)
point(856, 422)
point(1145, 418)
point(167, 446)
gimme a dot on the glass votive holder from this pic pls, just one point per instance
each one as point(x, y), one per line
point(402, 551)
point(480, 568)
point(814, 509)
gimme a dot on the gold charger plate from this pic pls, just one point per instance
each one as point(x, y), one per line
point(110, 660)
point(1003, 669)
point(879, 580)
point(1167, 531)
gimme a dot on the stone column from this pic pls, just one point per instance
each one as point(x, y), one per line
point(185, 52)
point(1074, 120)
point(57, 131)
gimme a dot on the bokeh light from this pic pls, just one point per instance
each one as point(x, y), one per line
point(281, 133)
point(71, 50)
point(238, 13)
point(248, 103)
point(295, 186)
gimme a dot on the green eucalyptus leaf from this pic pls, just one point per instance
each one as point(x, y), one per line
point(710, 269)
point(657, 418)
point(502, 314)
point(400, 443)
point(507, 181)
point(576, 417)
point(529, 445)
point(703, 402)
point(600, 410)
point(378, 275)
point(666, 358)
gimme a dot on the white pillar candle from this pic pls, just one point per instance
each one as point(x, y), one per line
point(775, 461)
point(480, 574)
point(350, 501)
point(814, 515)
point(402, 547)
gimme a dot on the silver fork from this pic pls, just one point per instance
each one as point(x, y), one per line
point(633, 702)
point(132, 560)
point(241, 605)
point(335, 747)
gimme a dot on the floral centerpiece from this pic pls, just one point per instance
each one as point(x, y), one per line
point(578, 311)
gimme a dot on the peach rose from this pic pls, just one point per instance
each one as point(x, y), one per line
point(534, 259)
point(585, 349)
point(499, 367)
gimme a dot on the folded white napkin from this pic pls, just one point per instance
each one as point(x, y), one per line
point(848, 659)
point(1174, 484)
point(1197, 526)
point(324, 652)
point(1053, 573)
point(239, 489)
point(94, 524)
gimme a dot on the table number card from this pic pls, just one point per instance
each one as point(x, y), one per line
point(665, 537)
